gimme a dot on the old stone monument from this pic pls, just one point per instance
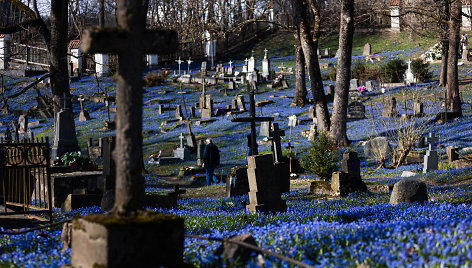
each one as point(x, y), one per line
point(182, 152)
point(410, 189)
point(23, 123)
point(84, 115)
point(418, 108)
point(354, 84)
point(378, 149)
point(431, 158)
point(65, 138)
point(348, 180)
point(356, 110)
point(266, 66)
point(390, 107)
point(367, 50)
point(104, 240)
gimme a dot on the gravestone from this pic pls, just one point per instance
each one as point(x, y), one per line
point(251, 65)
point(178, 112)
point(182, 152)
point(312, 112)
point(265, 129)
point(84, 115)
point(200, 149)
point(367, 50)
point(353, 85)
point(23, 123)
point(390, 107)
point(267, 182)
point(275, 135)
point(356, 110)
point(65, 138)
point(327, 52)
point(206, 106)
point(418, 108)
point(5, 40)
point(237, 183)
point(410, 189)
point(378, 149)
point(369, 86)
point(348, 180)
point(452, 153)
point(284, 83)
point(203, 69)
point(108, 181)
point(431, 157)
point(245, 66)
point(231, 85)
point(234, 104)
point(192, 111)
point(241, 104)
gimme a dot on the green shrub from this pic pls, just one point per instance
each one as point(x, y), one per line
point(421, 71)
point(358, 69)
point(321, 157)
point(395, 71)
point(154, 79)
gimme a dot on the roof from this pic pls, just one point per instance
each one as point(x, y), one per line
point(74, 44)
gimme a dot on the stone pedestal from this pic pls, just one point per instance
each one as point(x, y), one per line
point(144, 240)
point(237, 183)
point(267, 182)
point(452, 153)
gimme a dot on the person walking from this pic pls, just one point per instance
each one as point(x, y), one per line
point(211, 160)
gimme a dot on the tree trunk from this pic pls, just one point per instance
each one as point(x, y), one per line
point(128, 149)
point(338, 131)
point(300, 79)
point(444, 14)
point(453, 96)
point(311, 59)
point(58, 55)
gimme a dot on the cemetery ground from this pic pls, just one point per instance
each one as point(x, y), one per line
point(321, 230)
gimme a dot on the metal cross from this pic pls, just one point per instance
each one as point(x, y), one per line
point(179, 61)
point(188, 67)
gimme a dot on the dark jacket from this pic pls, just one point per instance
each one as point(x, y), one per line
point(211, 155)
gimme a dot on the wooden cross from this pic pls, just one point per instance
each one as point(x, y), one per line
point(131, 41)
point(252, 119)
point(179, 61)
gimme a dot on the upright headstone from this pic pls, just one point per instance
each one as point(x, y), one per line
point(265, 129)
point(234, 104)
point(369, 86)
point(101, 64)
point(354, 84)
point(65, 138)
point(356, 110)
point(178, 112)
point(390, 107)
point(418, 108)
point(23, 123)
point(203, 69)
point(200, 149)
point(348, 180)
point(4, 50)
point(231, 85)
point(237, 183)
point(431, 157)
point(182, 152)
point(267, 182)
point(245, 66)
point(251, 65)
point(367, 50)
point(241, 104)
point(206, 106)
point(452, 153)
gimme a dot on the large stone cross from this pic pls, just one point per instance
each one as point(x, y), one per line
point(130, 41)
point(252, 119)
point(189, 61)
point(431, 139)
point(179, 61)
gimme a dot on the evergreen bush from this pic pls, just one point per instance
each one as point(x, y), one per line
point(421, 70)
point(395, 71)
point(321, 157)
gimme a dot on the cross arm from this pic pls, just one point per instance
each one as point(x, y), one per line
point(114, 40)
point(250, 119)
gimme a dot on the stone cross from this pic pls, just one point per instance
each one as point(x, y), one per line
point(230, 64)
point(431, 139)
point(252, 119)
point(179, 61)
point(189, 61)
point(81, 99)
point(265, 53)
point(130, 41)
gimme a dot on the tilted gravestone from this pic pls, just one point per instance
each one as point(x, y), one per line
point(348, 180)
point(237, 182)
point(378, 149)
point(367, 50)
point(390, 107)
point(267, 182)
point(410, 189)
